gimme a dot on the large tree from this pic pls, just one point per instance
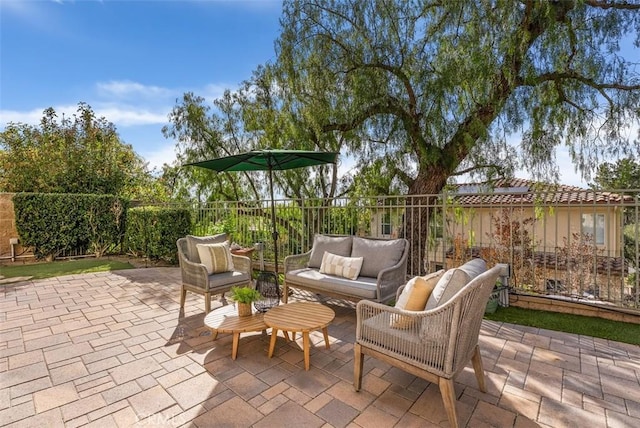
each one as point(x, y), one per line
point(624, 174)
point(82, 154)
point(424, 90)
point(250, 118)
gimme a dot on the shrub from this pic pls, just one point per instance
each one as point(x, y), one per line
point(152, 232)
point(52, 223)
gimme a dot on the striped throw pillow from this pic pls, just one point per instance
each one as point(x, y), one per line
point(346, 267)
point(216, 258)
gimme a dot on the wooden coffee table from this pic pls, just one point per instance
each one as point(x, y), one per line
point(226, 320)
point(299, 317)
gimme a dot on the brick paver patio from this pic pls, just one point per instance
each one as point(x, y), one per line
point(112, 349)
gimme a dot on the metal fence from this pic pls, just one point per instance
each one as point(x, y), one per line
point(572, 244)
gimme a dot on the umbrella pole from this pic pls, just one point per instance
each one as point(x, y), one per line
point(274, 234)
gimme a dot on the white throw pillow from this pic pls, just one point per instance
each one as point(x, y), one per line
point(346, 267)
point(216, 257)
point(448, 285)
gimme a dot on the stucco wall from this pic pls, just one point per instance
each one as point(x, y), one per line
point(7, 225)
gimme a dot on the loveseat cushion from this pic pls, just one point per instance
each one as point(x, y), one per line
point(362, 287)
point(378, 254)
point(193, 241)
point(453, 280)
point(339, 245)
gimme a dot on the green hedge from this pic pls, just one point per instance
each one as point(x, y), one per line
point(52, 223)
point(152, 232)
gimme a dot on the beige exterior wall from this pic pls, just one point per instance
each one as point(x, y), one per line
point(548, 232)
point(8, 229)
point(7, 224)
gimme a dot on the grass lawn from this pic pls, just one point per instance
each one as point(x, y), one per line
point(64, 267)
point(569, 323)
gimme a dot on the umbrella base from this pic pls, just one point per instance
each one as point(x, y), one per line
point(267, 285)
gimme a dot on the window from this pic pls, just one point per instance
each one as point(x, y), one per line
point(385, 226)
point(593, 224)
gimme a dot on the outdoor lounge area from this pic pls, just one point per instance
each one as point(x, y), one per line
point(114, 349)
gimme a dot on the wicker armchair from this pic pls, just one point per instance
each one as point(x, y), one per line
point(196, 279)
point(435, 344)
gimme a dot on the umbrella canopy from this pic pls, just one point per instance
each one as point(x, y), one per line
point(268, 160)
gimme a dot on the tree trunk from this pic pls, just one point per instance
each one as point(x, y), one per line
point(421, 201)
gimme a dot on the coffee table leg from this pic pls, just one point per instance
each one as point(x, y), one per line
point(305, 346)
point(234, 350)
point(272, 344)
point(214, 334)
point(326, 337)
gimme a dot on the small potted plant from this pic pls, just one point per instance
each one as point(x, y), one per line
point(244, 297)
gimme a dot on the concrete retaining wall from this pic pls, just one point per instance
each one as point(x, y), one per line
point(555, 305)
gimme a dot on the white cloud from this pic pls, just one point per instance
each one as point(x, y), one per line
point(31, 117)
point(127, 89)
point(215, 90)
point(131, 115)
point(162, 154)
point(120, 115)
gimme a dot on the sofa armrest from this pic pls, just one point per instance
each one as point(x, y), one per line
point(296, 261)
point(390, 279)
point(242, 264)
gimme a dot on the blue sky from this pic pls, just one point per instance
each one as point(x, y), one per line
point(129, 60)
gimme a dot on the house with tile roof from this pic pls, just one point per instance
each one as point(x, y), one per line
point(558, 239)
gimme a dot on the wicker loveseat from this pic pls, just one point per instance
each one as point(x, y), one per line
point(384, 268)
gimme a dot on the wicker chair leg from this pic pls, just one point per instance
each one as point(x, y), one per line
point(476, 359)
point(183, 296)
point(448, 393)
point(285, 293)
point(358, 362)
point(207, 302)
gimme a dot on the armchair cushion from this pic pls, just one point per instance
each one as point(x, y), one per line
point(346, 267)
point(377, 254)
point(453, 280)
point(224, 279)
point(192, 241)
point(216, 258)
point(414, 297)
point(339, 245)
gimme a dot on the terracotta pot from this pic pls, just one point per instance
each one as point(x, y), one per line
point(244, 309)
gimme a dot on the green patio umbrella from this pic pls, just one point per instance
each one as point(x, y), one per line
point(269, 160)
